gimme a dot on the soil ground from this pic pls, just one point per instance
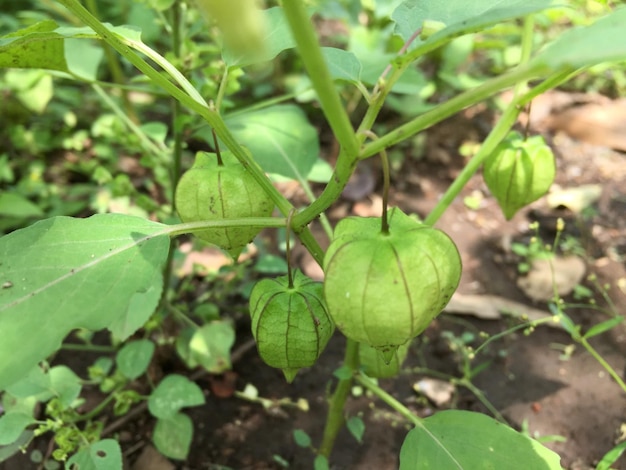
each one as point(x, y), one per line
point(529, 379)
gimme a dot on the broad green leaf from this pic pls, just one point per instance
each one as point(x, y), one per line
point(64, 384)
point(280, 138)
point(277, 38)
point(101, 455)
point(16, 205)
point(172, 436)
point(603, 41)
point(34, 382)
point(457, 17)
point(342, 65)
point(320, 463)
point(10, 450)
point(458, 439)
point(173, 393)
point(12, 424)
point(43, 46)
point(134, 358)
point(604, 326)
point(210, 346)
point(60, 274)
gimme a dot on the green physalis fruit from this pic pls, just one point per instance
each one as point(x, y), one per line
point(383, 289)
point(291, 325)
point(210, 191)
point(519, 172)
point(375, 366)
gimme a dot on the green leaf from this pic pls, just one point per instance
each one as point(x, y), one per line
point(64, 384)
point(604, 326)
point(603, 41)
point(458, 439)
point(60, 274)
point(356, 426)
point(210, 346)
point(280, 138)
point(302, 438)
point(271, 264)
point(611, 456)
point(173, 393)
point(320, 463)
point(457, 17)
point(35, 382)
point(134, 358)
point(16, 205)
point(12, 424)
point(172, 436)
point(342, 65)
point(276, 39)
point(101, 455)
point(6, 452)
point(45, 46)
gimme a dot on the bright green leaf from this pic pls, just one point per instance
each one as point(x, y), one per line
point(172, 436)
point(320, 463)
point(604, 326)
point(64, 384)
point(173, 393)
point(101, 455)
point(611, 456)
point(356, 426)
point(12, 424)
point(34, 382)
point(210, 346)
point(277, 38)
point(134, 358)
point(342, 65)
point(603, 41)
point(280, 138)
point(458, 439)
point(16, 205)
point(8, 451)
point(457, 17)
point(62, 273)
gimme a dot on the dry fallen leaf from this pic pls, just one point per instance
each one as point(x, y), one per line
point(564, 273)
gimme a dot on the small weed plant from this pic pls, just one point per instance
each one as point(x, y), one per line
point(386, 278)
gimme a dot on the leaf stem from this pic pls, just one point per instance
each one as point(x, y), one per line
point(191, 227)
point(388, 399)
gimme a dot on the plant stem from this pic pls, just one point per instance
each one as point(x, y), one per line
point(335, 417)
point(388, 399)
point(191, 227)
point(498, 133)
point(449, 108)
point(311, 55)
point(603, 363)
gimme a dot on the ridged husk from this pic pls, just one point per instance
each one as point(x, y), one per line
point(291, 325)
point(384, 289)
point(374, 365)
point(208, 191)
